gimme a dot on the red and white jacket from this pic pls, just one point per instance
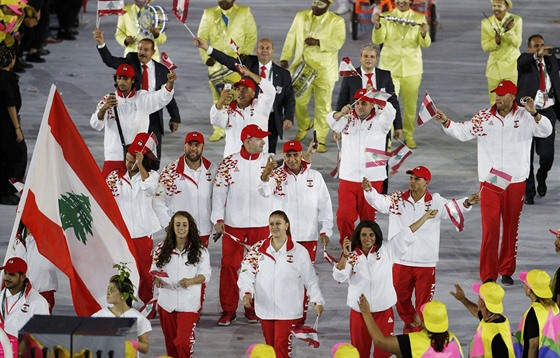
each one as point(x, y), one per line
point(233, 119)
point(181, 188)
point(276, 280)
point(357, 135)
point(504, 143)
point(404, 211)
point(134, 116)
point(134, 197)
point(372, 275)
point(304, 197)
point(236, 200)
point(17, 309)
point(172, 297)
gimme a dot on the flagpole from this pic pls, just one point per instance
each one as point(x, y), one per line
point(97, 18)
point(189, 30)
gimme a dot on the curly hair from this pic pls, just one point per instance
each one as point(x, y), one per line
point(284, 217)
point(194, 243)
point(7, 55)
point(124, 286)
point(439, 340)
point(356, 242)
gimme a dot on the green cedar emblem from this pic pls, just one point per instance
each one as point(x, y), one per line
point(75, 212)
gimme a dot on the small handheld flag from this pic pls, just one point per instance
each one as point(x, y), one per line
point(167, 62)
point(346, 69)
point(427, 111)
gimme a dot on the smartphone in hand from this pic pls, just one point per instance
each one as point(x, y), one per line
point(315, 141)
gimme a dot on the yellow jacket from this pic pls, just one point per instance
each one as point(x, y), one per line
point(241, 28)
point(401, 52)
point(329, 29)
point(502, 62)
point(127, 26)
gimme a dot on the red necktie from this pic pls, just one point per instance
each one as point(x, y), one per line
point(542, 83)
point(369, 81)
point(145, 77)
point(263, 72)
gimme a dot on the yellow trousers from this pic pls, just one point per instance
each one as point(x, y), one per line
point(493, 83)
point(322, 96)
point(407, 90)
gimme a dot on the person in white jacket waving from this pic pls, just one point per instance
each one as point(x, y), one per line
point(366, 264)
point(416, 269)
point(275, 273)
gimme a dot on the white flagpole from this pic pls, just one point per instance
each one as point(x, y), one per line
point(190, 32)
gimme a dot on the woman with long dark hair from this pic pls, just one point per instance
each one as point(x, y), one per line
point(181, 264)
point(367, 264)
point(434, 340)
point(275, 273)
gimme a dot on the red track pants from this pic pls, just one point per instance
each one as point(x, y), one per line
point(178, 331)
point(496, 207)
point(421, 280)
point(277, 334)
point(360, 337)
point(143, 247)
point(232, 254)
point(351, 205)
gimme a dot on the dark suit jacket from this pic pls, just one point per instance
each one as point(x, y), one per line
point(529, 77)
point(156, 118)
point(351, 84)
point(284, 102)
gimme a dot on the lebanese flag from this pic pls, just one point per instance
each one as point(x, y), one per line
point(167, 62)
point(377, 97)
point(234, 47)
point(427, 110)
point(110, 7)
point(328, 257)
point(397, 157)
point(308, 334)
point(455, 215)
point(378, 157)
point(497, 180)
point(346, 69)
point(71, 212)
point(181, 10)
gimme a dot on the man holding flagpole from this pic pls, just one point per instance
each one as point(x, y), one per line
point(504, 134)
point(416, 269)
point(364, 124)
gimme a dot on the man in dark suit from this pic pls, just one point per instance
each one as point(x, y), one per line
point(544, 88)
point(155, 77)
point(282, 116)
point(374, 77)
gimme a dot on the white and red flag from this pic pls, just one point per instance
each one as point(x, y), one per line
point(455, 214)
point(346, 69)
point(110, 7)
point(397, 157)
point(427, 110)
point(497, 180)
point(234, 47)
point(378, 157)
point(167, 62)
point(181, 10)
point(71, 212)
point(308, 334)
point(377, 97)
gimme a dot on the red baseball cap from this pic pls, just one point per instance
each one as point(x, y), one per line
point(421, 172)
point(505, 87)
point(194, 137)
point(252, 130)
point(364, 95)
point(141, 144)
point(125, 70)
point(246, 82)
point(292, 145)
point(15, 265)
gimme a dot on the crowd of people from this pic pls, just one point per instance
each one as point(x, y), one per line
point(272, 216)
